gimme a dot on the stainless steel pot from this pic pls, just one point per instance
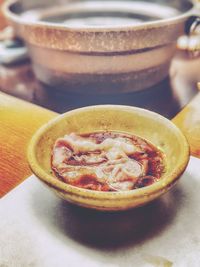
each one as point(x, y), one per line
point(101, 46)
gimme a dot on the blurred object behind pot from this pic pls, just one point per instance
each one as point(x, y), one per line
point(2, 18)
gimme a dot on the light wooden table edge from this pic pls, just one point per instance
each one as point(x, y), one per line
point(14, 138)
point(188, 121)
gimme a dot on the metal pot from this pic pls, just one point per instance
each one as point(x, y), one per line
point(101, 46)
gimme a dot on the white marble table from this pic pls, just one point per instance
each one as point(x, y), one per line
point(37, 229)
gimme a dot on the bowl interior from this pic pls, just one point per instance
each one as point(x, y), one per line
point(148, 125)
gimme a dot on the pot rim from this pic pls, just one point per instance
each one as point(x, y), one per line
point(152, 24)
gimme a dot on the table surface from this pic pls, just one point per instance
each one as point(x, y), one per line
point(158, 234)
point(20, 119)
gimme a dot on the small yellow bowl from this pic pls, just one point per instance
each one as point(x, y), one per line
point(146, 124)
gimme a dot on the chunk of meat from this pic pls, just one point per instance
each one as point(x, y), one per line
point(122, 186)
point(60, 155)
point(106, 161)
point(90, 158)
point(119, 145)
point(79, 145)
point(128, 170)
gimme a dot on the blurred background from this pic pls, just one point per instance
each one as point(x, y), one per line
point(2, 19)
point(166, 97)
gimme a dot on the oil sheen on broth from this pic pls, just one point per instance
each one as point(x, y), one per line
point(106, 161)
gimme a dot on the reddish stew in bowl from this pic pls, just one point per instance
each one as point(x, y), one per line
point(107, 161)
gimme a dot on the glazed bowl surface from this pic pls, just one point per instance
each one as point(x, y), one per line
point(146, 124)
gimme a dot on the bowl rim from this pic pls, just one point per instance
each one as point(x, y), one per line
point(146, 25)
point(167, 181)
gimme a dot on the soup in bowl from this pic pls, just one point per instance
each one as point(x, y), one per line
point(109, 157)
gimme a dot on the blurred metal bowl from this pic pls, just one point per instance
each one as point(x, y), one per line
point(100, 46)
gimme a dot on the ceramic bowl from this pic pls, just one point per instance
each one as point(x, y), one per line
point(146, 124)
